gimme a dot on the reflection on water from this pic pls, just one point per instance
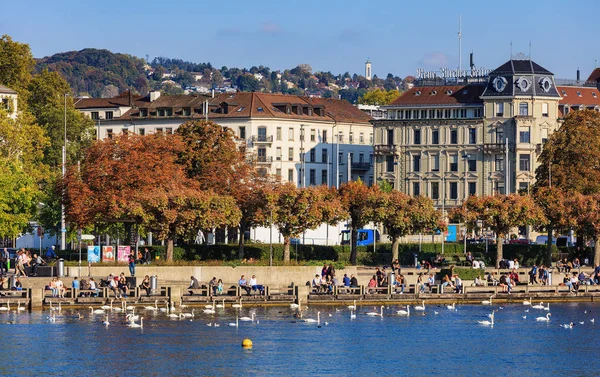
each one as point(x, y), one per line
point(449, 342)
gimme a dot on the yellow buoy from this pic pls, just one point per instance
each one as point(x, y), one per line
point(247, 343)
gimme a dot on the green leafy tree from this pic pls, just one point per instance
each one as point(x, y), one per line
point(379, 97)
point(16, 65)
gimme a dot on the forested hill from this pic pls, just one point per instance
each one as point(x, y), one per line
point(90, 71)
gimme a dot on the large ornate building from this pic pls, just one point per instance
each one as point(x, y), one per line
point(448, 140)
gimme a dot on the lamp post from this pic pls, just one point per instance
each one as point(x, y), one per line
point(63, 230)
point(302, 156)
point(271, 238)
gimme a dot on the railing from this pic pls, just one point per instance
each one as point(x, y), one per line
point(264, 159)
point(361, 166)
point(386, 148)
point(262, 139)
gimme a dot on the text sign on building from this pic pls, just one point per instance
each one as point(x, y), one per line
point(447, 73)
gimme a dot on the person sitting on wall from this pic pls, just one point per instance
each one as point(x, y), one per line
point(244, 285)
point(353, 281)
point(255, 286)
point(194, 284)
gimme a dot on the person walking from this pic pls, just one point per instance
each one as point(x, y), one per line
point(35, 263)
point(132, 264)
point(4, 257)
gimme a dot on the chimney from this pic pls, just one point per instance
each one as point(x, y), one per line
point(130, 99)
point(154, 95)
point(471, 63)
point(578, 75)
point(213, 93)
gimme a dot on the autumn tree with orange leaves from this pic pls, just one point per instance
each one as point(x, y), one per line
point(500, 213)
point(137, 178)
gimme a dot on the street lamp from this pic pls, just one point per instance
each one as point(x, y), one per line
point(302, 156)
point(63, 230)
point(271, 238)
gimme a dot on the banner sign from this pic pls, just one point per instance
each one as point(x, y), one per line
point(108, 254)
point(124, 253)
point(93, 254)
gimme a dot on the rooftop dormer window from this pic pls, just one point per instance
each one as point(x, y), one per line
point(578, 94)
point(564, 93)
point(433, 92)
point(594, 95)
point(449, 92)
point(418, 93)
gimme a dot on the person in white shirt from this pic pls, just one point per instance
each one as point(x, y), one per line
point(511, 264)
point(255, 286)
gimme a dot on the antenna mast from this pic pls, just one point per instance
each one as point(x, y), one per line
point(460, 42)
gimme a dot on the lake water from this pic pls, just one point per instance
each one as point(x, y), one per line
point(447, 343)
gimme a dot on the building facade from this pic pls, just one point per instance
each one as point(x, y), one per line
point(8, 101)
point(307, 141)
point(476, 137)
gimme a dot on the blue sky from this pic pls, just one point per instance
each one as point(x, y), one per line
point(330, 35)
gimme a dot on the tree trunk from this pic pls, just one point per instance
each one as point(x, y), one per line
point(596, 252)
point(353, 236)
point(241, 244)
point(286, 250)
point(548, 259)
point(395, 245)
point(170, 250)
point(499, 243)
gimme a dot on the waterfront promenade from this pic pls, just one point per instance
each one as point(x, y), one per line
point(282, 286)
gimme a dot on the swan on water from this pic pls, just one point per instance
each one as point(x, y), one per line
point(420, 307)
point(97, 311)
point(538, 306)
point(136, 325)
point(352, 307)
point(236, 323)
point(373, 314)
point(312, 320)
point(404, 312)
point(527, 302)
point(221, 306)
point(237, 306)
point(153, 308)
point(488, 302)
point(568, 325)
point(488, 323)
point(105, 322)
point(451, 307)
point(20, 308)
point(544, 319)
point(211, 310)
point(352, 314)
point(247, 319)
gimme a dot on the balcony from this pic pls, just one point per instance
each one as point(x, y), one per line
point(387, 149)
point(263, 159)
point(262, 139)
point(493, 147)
point(361, 166)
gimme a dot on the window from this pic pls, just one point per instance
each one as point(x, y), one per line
point(523, 109)
point(435, 163)
point(312, 180)
point(472, 136)
point(290, 175)
point(423, 114)
point(478, 113)
point(340, 157)
point(160, 112)
point(439, 113)
point(454, 113)
point(351, 157)
point(361, 158)
point(472, 164)
point(499, 187)
point(472, 188)
point(158, 130)
point(313, 135)
point(431, 114)
point(141, 131)
point(463, 113)
point(290, 154)
point(407, 114)
point(361, 138)
point(371, 159)
point(169, 131)
point(278, 133)
point(341, 137)
point(435, 137)
point(371, 138)
point(109, 133)
point(500, 109)
point(95, 115)
point(417, 137)
point(447, 113)
point(524, 135)
point(186, 111)
point(242, 132)
point(324, 136)
point(323, 176)
point(454, 162)
point(108, 115)
point(278, 173)
point(143, 112)
point(499, 162)
point(390, 137)
point(416, 189)
point(435, 190)
point(523, 187)
point(524, 162)
point(389, 164)
point(454, 190)
point(453, 137)
point(290, 134)
point(500, 136)
point(301, 133)
point(278, 154)
point(324, 156)
point(312, 155)
point(545, 109)
point(416, 163)
point(351, 138)
point(125, 131)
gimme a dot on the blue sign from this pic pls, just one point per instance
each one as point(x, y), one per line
point(93, 254)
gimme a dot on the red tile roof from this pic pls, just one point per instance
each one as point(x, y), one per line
point(595, 75)
point(120, 101)
point(441, 95)
point(588, 96)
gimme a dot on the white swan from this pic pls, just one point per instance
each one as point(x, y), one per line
point(236, 323)
point(173, 315)
point(312, 320)
point(7, 307)
point(181, 304)
point(547, 307)
point(210, 311)
point(488, 323)
point(488, 302)
point(19, 308)
point(404, 312)
point(105, 322)
point(107, 307)
point(136, 325)
point(97, 311)
point(544, 319)
point(248, 319)
point(420, 307)
point(296, 306)
point(57, 308)
point(210, 306)
point(538, 306)
point(451, 307)
point(221, 306)
point(132, 318)
point(189, 315)
point(352, 315)
point(153, 308)
point(352, 307)
point(375, 314)
point(237, 306)
point(527, 302)
point(568, 325)
point(166, 308)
